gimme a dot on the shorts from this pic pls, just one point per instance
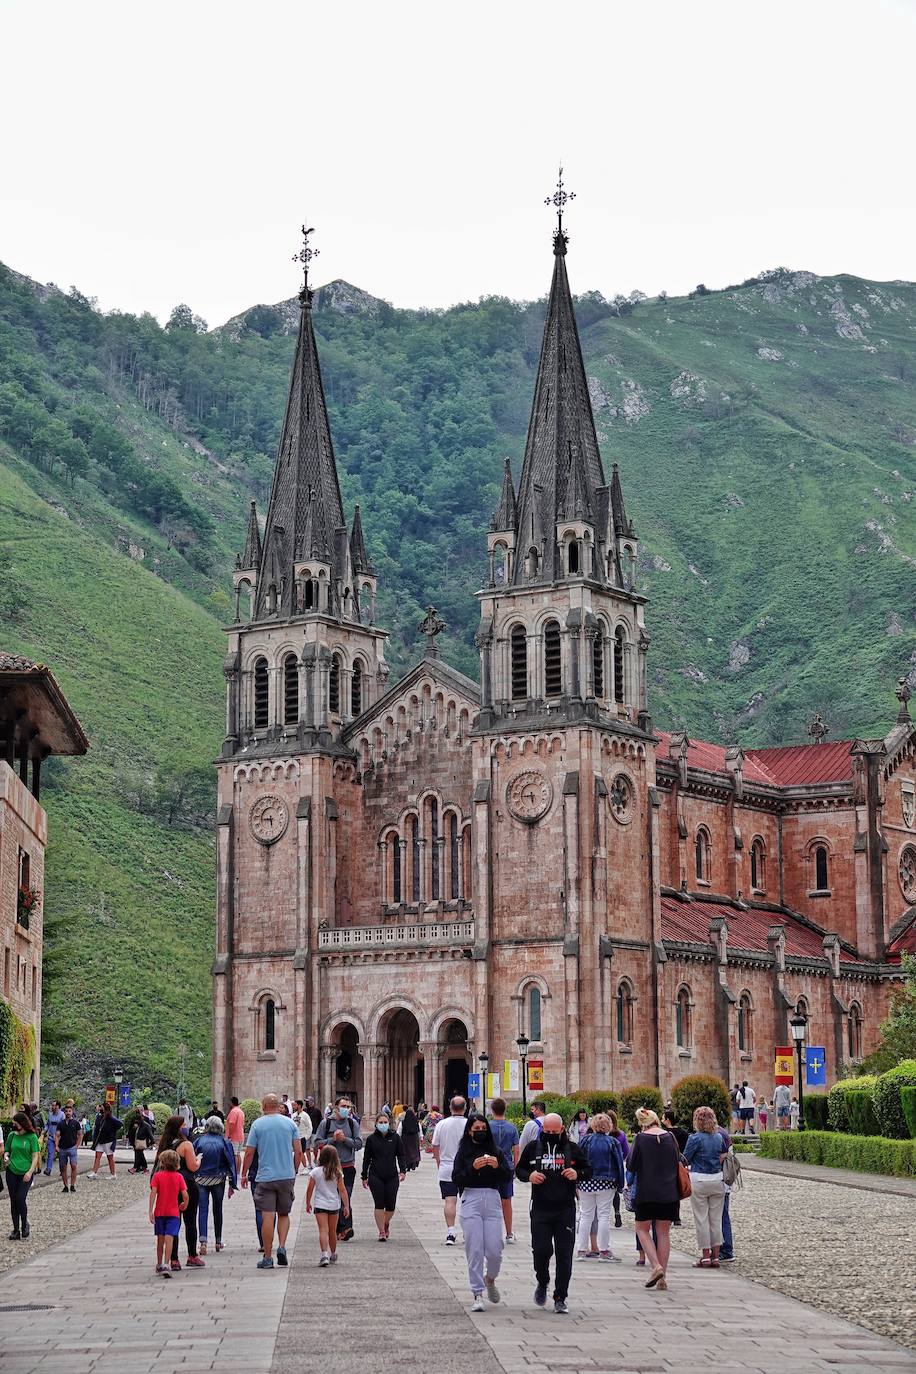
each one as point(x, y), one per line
point(384, 1192)
point(167, 1226)
point(67, 1155)
point(783, 1112)
point(105, 1147)
point(447, 1188)
point(275, 1196)
point(305, 1142)
point(507, 1190)
point(746, 1113)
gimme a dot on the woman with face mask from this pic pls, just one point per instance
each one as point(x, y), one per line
point(383, 1170)
point(479, 1170)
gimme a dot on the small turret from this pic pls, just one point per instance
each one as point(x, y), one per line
point(248, 564)
point(501, 539)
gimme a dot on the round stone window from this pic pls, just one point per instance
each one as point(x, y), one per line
point(908, 872)
point(622, 797)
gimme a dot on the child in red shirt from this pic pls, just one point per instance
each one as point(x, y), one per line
point(168, 1198)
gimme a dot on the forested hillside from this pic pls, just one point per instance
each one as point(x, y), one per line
point(765, 436)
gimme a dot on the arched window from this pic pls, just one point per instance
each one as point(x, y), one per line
point(395, 843)
point(572, 556)
point(683, 1018)
point(758, 866)
point(745, 1018)
point(455, 859)
point(702, 855)
point(270, 1024)
point(534, 1012)
point(356, 689)
point(620, 640)
point(290, 690)
point(624, 1013)
point(414, 859)
point(821, 871)
point(801, 1009)
point(434, 846)
point(598, 663)
point(518, 647)
point(855, 1031)
point(261, 694)
point(553, 663)
point(334, 686)
point(309, 598)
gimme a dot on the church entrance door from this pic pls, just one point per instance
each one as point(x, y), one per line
point(402, 1064)
point(456, 1060)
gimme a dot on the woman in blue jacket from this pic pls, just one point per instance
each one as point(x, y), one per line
point(217, 1166)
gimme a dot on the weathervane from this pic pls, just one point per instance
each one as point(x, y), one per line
point(305, 255)
point(559, 199)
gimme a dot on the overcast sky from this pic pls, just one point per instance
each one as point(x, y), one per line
point(156, 153)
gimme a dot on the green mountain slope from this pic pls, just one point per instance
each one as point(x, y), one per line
point(765, 437)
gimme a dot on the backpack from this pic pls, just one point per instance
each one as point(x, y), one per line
point(604, 1155)
point(731, 1170)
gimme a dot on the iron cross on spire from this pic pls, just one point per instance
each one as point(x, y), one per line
point(559, 200)
point(431, 625)
point(305, 255)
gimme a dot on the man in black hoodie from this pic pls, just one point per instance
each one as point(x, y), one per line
point(554, 1166)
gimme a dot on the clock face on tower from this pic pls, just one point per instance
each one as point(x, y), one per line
point(268, 818)
point(528, 796)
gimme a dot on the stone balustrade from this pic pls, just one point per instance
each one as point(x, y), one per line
point(423, 934)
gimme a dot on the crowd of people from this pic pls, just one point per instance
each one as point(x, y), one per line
point(580, 1176)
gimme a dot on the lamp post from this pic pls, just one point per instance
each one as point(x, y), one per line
point(118, 1076)
point(798, 1025)
point(523, 1042)
point(484, 1059)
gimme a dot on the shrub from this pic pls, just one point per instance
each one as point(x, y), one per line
point(863, 1120)
point(161, 1111)
point(642, 1095)
point(555, 1102)
point(866, 1154)
point(888, 1108)
point(252, 1109)
point(597, 1100)
point(816, 1111)
point(700, 1090)
point(838, 1100)
point(908, 1103)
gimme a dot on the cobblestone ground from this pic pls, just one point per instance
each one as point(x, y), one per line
point(846, 1251)
point(54, 1217)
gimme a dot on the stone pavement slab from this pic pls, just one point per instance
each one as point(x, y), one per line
point(616, 1324)
point(820, 1173)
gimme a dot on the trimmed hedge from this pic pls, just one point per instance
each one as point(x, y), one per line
point(252, 1109)
point(908, 1103)
point(816, 1112)
point(564, 1106)
point(700, 1090)
point(866, 1154)
point(161, 1111)
point(642, 1095)
point(888, 1107)
point(597, 1100)
point(838, 1103)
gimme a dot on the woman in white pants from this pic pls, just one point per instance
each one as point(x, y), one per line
point(704, 1152)
point(479, 1170)
point(596, 1197)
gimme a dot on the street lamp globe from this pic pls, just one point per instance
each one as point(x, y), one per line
point(118, 1075)
point(798, 1025)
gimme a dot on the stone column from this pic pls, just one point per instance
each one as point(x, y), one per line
point(432, 1053)
point(329, 1057)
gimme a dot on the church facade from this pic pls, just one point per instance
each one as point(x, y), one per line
point(412, 875)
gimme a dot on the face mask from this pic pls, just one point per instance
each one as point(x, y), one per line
point(478, 1137)
point(382, 1126)
point(344, 1111)
point(550, 1138)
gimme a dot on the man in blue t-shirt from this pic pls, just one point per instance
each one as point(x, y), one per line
point(506, 1136)
point(275, 1137)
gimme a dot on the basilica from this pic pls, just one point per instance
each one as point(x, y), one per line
point(413, 875)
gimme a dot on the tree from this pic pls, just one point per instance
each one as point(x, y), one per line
point(183, 317)
point(897, 1036)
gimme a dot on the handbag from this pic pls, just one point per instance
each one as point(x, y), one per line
point(684, 1188)
point(629, 1201)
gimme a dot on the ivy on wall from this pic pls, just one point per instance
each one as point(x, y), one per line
point(17, 1055)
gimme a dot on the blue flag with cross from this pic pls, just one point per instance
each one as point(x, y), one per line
point(815, 1067)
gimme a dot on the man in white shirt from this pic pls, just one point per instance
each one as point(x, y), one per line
point(782, 1101)
point(747, 1106)
point(186, 1112)
point(446, 1138)
point(304, 1126)
point(532, 1127)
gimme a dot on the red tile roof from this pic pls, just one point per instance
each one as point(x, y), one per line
point(785, 767)
point(747, 930)
point(15, 663)
point(905, 943)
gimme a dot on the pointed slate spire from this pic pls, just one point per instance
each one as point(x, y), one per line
point(359, 557)
point(504, 516)
point(561, 415)
point(251, 558)
point(622, 526)
point(306, 490)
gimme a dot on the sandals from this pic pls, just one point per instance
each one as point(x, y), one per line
point(702, 1264)
point(655, 1277)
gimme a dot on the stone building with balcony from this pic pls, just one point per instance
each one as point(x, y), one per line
point(36, 722)
point(411, 875)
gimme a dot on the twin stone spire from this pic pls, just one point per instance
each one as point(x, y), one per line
point(562, 495)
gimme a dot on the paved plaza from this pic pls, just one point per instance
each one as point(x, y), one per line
point(95, 1300)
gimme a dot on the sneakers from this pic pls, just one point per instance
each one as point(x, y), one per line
point(560, 1307)
point(281, 1256)
point(26, 1231)
point(93, 1174)
point(450, 1238)
point(333, 1257)
point(581, 1254)
point(194, 1262)
point(322, 1263)
point(609, 1258)
point(14, 1235)
point(726, 1259)
point(540, 1294)
point(492, 1290)
point(175, 1266)
point(65, 1189)
point(477, 1304)
point(511, 1238)
point(72, 1187)
point(265, 1263)
point(163, 1271)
